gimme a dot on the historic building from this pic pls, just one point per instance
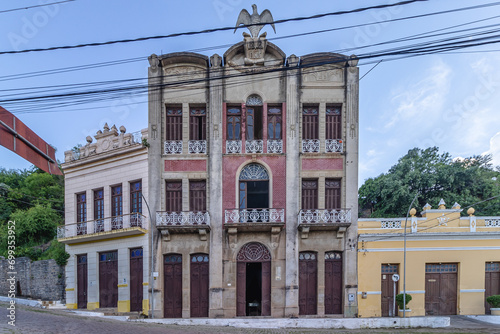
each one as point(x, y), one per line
point(106, 229)
point(452, 262)
point(253, 175)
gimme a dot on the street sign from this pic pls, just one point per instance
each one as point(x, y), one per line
point(395, 277)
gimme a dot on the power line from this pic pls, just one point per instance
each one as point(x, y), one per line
point(35, 6)
point(124, 61)
point(190, 33)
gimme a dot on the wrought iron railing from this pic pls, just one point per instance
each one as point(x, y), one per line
point(102, 225)
point(275, 146)
point(233, 146)
point(254, 146)
point(324, 216)
point(310, 145)
point(172, 147)
point(183, 218)
point(254, 216)
point(334, 145)
point(197, 146)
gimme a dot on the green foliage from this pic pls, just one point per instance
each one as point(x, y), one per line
point(400, 301)
point(494, 301)
point(35, 201)
point(433, 176)
point(57, 252)
point(36, 225)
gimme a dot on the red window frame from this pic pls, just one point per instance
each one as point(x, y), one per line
point(310, 123)
point(233, 124)
point(274, 123)
point(334, 121)
point(173, 196)
point(198, 196)
point(309, 194)
point(173, 123)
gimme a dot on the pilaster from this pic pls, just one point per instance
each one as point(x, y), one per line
point(293, 183)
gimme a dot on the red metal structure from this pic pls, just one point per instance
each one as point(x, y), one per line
point(20, 139)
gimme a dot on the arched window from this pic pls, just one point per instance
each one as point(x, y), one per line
point(254, 187)
point(254, 118)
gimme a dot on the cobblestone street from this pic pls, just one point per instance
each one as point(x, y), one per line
point(40, 321)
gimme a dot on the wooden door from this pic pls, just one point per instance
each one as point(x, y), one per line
point(333, 283)
point(82, 280)
point(199, 285)
point(108, 279)
point(136, 278)
point(441, 289)
point(492, 283)
point(266, 289)
point(241, 286)
point(172, 286)
point(308, 282)
point(388, 290)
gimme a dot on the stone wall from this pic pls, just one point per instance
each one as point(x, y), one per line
point(38, 280)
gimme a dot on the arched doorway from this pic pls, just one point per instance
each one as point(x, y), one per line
point(253, 285)
point(254, 187)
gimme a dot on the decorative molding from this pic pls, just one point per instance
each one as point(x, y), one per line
point(254, 146)
point(197, 146)
point(334, 146)
point(172, 147)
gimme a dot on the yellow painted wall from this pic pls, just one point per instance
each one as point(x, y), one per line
point(124, 306)
point(448, 244)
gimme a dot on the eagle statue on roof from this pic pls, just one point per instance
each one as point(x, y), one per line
point(256, 20)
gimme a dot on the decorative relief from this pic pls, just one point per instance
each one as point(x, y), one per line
point(175, 73)
point(390, 224)
point(253, 252)
point(334, 75)
point(492, 222)
point(254, 172)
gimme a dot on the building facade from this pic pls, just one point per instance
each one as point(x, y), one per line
point(452, 262)
point(253, 164)
point(106, 225)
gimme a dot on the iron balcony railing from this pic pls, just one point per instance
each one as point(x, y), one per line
point(102, 225)
point(183, 218)
point(325, 216)
point(254, 216)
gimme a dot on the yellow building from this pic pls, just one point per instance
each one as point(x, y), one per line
point(452, 262)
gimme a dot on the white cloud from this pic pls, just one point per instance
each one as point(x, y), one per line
point(420, 101)
point(494, 149)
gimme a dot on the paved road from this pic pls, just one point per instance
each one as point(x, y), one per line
point(39, 321)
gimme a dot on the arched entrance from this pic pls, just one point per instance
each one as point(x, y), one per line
point(253, 285)
point(254, 187)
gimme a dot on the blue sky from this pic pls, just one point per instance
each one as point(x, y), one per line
point(445, 100)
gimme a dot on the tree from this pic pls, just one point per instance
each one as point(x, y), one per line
point(433, 176)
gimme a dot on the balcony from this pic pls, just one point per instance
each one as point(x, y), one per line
point(310, 145)
point(334, 146)
point(233, 146)
point(183, 222)
point(172, 147)
point(275, 146)
point(254, 219)
point(324, 220)
point(105, 228)
point(197, 147)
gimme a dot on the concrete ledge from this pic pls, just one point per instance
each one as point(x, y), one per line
point(346, 323)
point(492, 319)
point(20, 301)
